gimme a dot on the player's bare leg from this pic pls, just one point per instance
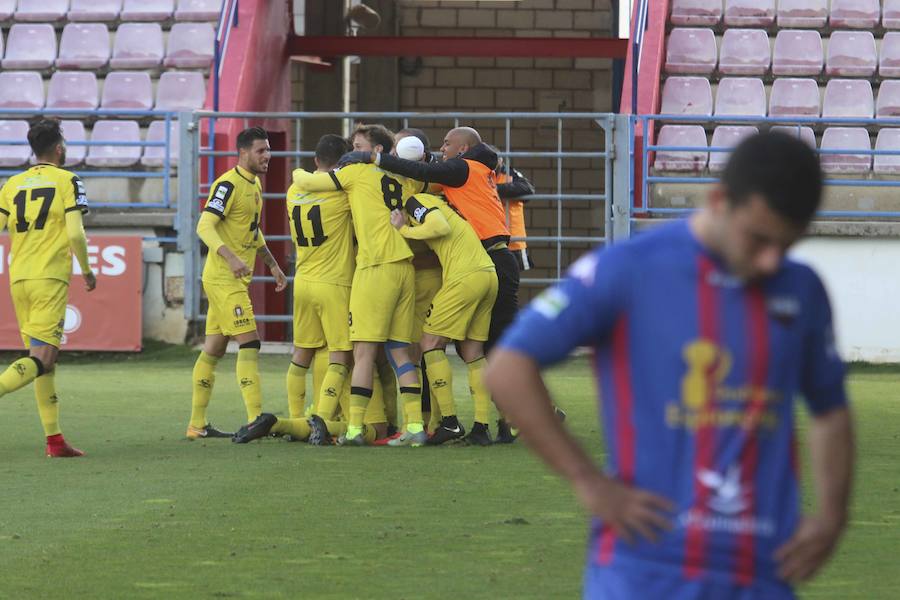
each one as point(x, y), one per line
point(204, 378)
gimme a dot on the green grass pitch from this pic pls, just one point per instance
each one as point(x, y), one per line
point(150, 515)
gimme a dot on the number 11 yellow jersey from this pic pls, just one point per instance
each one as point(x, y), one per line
point(323, 235)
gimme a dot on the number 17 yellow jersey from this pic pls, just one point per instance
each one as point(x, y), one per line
point(323, 235)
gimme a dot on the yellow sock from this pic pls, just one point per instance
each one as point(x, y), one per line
point(47, 403)
point(330, 392)
point(296, 427)
point(480, 395)
point(249, 382)
point(204, 377)
point(440, 379)
point(369, 434)
point(412, 404)
point(19, 374)
point(296, 389)
point(319, 369)
point(336, 428)
point(359, 400)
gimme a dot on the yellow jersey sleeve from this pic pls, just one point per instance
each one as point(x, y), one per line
point(318, 182)
point(73, 193)
point(219, 200)
point(4, 201)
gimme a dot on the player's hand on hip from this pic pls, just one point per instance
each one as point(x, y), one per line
point(629, 511)
point(239, 268)
point(809, 548)
point(90, 281)
point(397, 219)
point(280, 279)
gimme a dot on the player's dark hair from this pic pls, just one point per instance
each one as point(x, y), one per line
point(330, 149)
point(376, 134)
point(246, 138)
point(780, 168)
point(43, 135)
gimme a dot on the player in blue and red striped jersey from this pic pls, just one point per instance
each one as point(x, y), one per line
point(704, 333)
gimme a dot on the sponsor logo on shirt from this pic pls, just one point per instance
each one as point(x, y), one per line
point(419, 213)
point(727, 499)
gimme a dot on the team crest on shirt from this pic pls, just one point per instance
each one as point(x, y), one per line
point(783, 308)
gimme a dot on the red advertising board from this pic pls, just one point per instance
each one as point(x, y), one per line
point(109, 318)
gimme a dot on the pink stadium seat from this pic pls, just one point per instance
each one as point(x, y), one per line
point(147, 10)
point(83, 46)
point(198, 10)
point(851, 54)
point(794, 98)
point(127, 90)
point(41, 11)
point(154, 156)
point(94, 10)
point(114, 156)
point(727, 136)
point(749, 13)
point(180, 91)
point(802, 13)
point(73, 131)
point(13, 156)
point(686, 96)
point(138, 46)
point(7, 10)
point(696, 12)
point(888, 139)
point(73, 89)
point(888, 104)
point(741, 96)
point(890, 14)
point(855, 14)
point(848, 98)
point(681, 160)
point(691, 51)
point(846, 138)
point(889, 58)
point(30, 46)
point(804, 133)
point(745, 52)
point(191, 45)
point(21, 89)
point(797, 52)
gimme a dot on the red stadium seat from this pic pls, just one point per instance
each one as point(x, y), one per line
point(741, 96)
point(691, 51)
point(73, 131)
point(30, 46)
point(13, 156)
point(114, 156)
point(696, 12)
point(846, 138)
point(127, 90)
point(890, 14)
point(888, 104)
point(154, 156)
point(686, 96)
point(792, 97)
point(745, 52)
point(851, 54)
point(21, 89)
point(805, 134)
point(681, 160)
point(802, 13)
point(73, 89)
point(727, 136)
point(848, 98)
point(83, 46)
point(7, 10)
point(855, 14)
point(138, 46)
point(198, 10)
point(191, 45)
point(888, 139)
point(41, 11)
point(749, 13)
point(889, 58)
point(94, 10)
point(178, 90)
point(147, 10)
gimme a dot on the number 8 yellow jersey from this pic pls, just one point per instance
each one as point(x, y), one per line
point(323, 235)
point(36, 202)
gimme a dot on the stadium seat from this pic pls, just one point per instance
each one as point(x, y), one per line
point(13, 156)
point(696, 12)
point(741, 96)
point(888, 104)
point(41, 11)
point(73, 131)
point(681, 160)
point(792, 97)
point(749, 13)
point(114, 156)
point(804, 133)
point(83, 46)
point(147, 10)
point(198, 10)
point(691, 51)
point(727, 136)
point(802, 13)
point(94, 10)
point(191, 45)
point(21, 89)
point(138, 46)
point(154, 156)
point(851, 54)
point(7, 10)
point(797, 52)
point(30, 46)
point(180, 91)
point(889, 57)
point(745, 52)
point(846, 138)
point(890, 14)
point(686, 96)
point(73, 89)
point(855, 14)
point(127, 90)
point(888, 139)
point(848, 98)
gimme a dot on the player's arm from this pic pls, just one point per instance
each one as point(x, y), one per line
point(75, 205)
point(320, 182)
point(516, 189)
point(4, 209)
point(452, 173)
point(206, 230)
point(432, 224)
point(266, 254)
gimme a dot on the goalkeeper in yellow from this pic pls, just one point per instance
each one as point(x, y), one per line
point(229, 226)
point(43, 207)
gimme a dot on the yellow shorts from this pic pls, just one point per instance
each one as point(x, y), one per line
point(40, 306)
point(320, 315)
point(230, 311)
point(428, 282)
point(382, 303)
point(461, 309)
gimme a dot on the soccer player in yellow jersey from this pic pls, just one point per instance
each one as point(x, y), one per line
point(229, 226)
point(383, 294)
point(43, 207)
point(461, 310)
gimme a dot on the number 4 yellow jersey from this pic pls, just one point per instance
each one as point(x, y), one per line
point(36, 202)
point(236, 198)
point(323, 235)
